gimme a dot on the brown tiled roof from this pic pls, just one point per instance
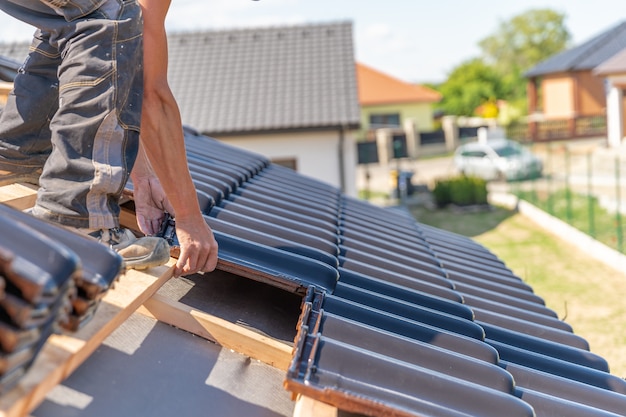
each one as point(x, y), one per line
point(376, 87)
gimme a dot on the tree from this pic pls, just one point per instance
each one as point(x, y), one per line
point(525, 40)
point(470, 85)
point(514, 48)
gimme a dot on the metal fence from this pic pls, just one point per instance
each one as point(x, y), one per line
point(582, 186)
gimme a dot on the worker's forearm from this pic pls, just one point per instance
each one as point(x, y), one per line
point(163, 142)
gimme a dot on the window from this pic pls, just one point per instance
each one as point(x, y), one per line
point(474, 154)
point(385, 120)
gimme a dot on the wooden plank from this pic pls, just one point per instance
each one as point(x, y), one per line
point(216, 329)
point(62, 354)
point(308, 407)
point(18, 196)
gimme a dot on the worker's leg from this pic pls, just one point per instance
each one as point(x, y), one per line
point(95, 131)
point(25, 119)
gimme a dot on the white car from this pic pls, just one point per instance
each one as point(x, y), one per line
point(497, 159)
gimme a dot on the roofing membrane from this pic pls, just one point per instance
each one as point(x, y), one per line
point(398, 318)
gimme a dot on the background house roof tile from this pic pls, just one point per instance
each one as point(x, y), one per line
point(376, 87)
point(586, 56)
point(265, 79)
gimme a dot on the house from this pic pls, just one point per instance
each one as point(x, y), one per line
point(566, 99)
point(389, 102)
point(614, 72)
point(390, 106)
point(355, 307)
point(289, 93)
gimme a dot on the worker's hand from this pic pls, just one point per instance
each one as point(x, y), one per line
point(151, 203)
point(198, 247)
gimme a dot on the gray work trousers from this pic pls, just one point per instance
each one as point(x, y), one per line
point(75, 109)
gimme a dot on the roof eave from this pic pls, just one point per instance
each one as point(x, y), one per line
point(392, 102)
point(276, 130)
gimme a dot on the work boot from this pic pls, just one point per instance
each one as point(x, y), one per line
point(138, 253)
point(10, 177)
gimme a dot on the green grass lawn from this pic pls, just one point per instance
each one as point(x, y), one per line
point(582, 212)
point(584, 292)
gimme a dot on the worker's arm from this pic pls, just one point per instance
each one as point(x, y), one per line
point(163, 142)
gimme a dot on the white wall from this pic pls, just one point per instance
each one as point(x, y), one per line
point(316, 153)
point(615, 110)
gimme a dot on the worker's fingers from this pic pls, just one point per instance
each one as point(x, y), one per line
point(191, 263)
point(211, 262)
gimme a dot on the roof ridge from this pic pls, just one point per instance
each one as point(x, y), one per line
point(269, 27)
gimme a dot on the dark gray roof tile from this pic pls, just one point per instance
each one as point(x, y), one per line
point(410, 319)
point(265, 79)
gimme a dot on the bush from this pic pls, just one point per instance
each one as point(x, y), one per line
point(461, 190)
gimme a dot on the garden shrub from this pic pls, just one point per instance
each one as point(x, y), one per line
point(461, 190)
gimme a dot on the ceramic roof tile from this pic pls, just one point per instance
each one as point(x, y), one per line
point(585, 56)
point(382, 332)
point(50, 278)
point(414, 320)
point(292, 77)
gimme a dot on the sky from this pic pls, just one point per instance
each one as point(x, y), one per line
point(413, 40)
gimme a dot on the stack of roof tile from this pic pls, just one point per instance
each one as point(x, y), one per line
point(398, 318)
point(51, 279)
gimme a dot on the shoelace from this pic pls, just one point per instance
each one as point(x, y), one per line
point(110, 236)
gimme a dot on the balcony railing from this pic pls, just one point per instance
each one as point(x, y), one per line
point(558, 129)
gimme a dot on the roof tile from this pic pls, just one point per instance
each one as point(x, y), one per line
point(291, 77)
point(417, 321)
point(378, 88)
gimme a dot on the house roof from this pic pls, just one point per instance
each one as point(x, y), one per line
point(398, 318)
point(376, 87)
point(439, 320)
point(585, 56)
point(265, 79)
point(613, 66)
